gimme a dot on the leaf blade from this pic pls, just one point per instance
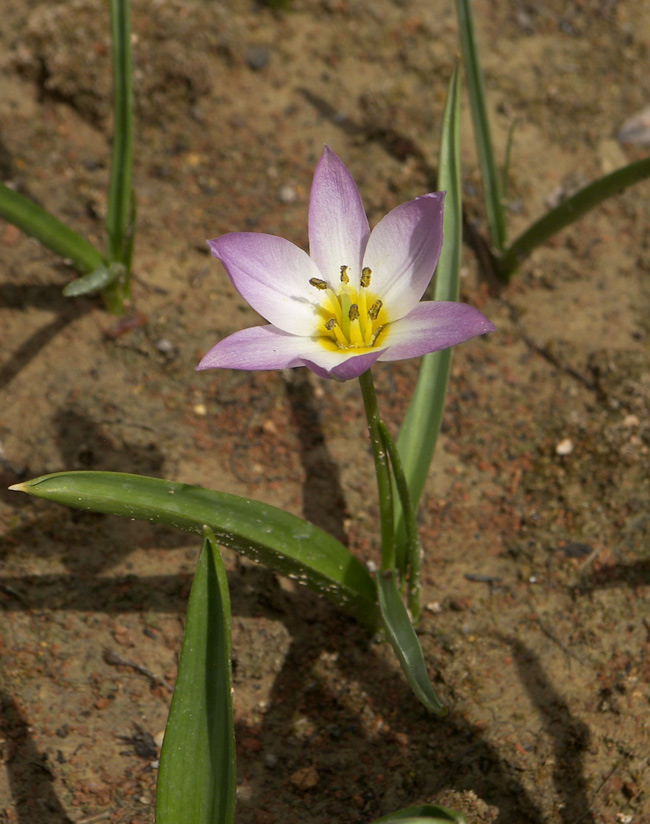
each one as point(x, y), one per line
point(197, 776)
point(32, 219)
point(418, 435)
point(404, 641)
point(496, 215)
point(281, 541)
point(570, 210)
point(422, 813)
point(119, 207)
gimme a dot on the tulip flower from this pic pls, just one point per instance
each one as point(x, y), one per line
point(355, 299)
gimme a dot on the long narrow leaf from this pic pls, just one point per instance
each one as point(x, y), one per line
point(489, 173)
point(423, 814)
point(51, 232)
point(278, 540)
point(569, 210)
point(404, 641)
point(417, 438)
point(120, 190)
point(196, 781)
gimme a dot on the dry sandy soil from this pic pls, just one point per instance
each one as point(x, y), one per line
point(543, 658)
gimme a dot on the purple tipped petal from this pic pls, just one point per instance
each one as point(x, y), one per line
point(273, 276)
point(432, 326)
point(260, 347)
point(338, 226)
point(343, 367)
point(265, 347)
point(403, 252)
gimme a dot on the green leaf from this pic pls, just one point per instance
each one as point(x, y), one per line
point(489, 174)
point(120, 209)
point(570, 210)
point(417, 437)
point(59, 238)
point(197, 780)
point(102, 277)
point(278, 540)
point(404, 641)
point(423, 814)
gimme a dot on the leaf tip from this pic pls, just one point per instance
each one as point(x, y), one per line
point(19, 488)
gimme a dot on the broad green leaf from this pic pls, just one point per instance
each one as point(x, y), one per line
point(423, 814)
point(489, 173)
point(404, 641)
point(197, 781)
point(570, 210)
point(120, 210)
point(417, 437)
point(59, 238)
point(278, 540)
point(95, 281)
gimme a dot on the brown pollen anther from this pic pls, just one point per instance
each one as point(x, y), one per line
point(353, 314)
point(331, 323)
point(345, 278)
point(318, 283)
point(365, 276)
point(375, 309)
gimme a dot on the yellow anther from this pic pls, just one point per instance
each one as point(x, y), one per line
point(353, 314)
point(319, 283)
point(375, 309)
point(345, 278)
point(365, 276)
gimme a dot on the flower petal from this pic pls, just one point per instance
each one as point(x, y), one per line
point(431, 326)
point(338, 226)
point(403, 252)
point(273, 276)
point(266, 347)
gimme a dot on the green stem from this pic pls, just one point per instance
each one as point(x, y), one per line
point(410, 521)
point(382, 471)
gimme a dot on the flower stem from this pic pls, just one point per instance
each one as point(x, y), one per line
point(382, 471)
point(410, 522)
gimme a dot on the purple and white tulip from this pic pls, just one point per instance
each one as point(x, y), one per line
point(355, 299)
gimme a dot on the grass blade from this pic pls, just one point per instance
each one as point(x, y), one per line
point(59, 238)
point(489, 174)
point(570, 210)
point(197, 781)
point(404, 641)
point(278, 540)
point(423, 814)
point(417, 437)
point(120, 189)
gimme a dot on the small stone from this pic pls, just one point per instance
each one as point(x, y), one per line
point(257, 57)
point(565, 447)
point(287, 194)
point(306, 778)
point(631, 420)
point(200, 409)
point(636, 129)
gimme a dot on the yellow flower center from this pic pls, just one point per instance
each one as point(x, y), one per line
point(350, 318)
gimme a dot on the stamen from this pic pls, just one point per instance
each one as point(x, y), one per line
point(375, 309)
point(365, 276)
point(319, 283)
point(331, 323)
point(345, 278)
point(353, 314)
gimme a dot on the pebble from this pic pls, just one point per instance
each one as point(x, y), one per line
point(636, 129)
point(565, 447)
point(257, 57)
point(287, 194)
